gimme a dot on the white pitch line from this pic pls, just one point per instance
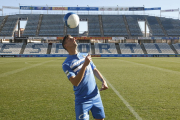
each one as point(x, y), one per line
point(153, 67)
point(22, 69)
point(124, 101)
point(167, 61)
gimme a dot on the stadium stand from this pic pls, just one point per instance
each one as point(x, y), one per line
point(130, 48)
point(93, 24)
point(84, 47)
point(73, 32)
point(177, 47)
point(10, 48)
point(31, 26)
point(36, 48)
point(158, 48)
point(57, 48)
point(105, 48)
point(154, 26)
point(9, 26)
point(47, 25)
point(52, 25)
point(1, 21)
point(133, 25)
point(172, 26)
point(113, 25)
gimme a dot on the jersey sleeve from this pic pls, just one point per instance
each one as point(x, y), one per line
point(68, 71)
point(92, 65)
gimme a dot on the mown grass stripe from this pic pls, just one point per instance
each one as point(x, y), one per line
point(153, 67)
point(22, 69)
point(124, 101)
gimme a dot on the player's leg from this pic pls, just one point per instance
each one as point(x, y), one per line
point(82, 111)
point(98, 109)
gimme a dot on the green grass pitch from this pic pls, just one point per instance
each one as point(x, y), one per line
point(37, 88)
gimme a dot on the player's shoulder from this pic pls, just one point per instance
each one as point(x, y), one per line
point(66, 61)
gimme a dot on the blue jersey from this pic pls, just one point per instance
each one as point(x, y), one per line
point(87, 88)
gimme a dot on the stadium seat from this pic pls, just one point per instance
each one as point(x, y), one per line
point(105, 48)
point(9, 25)
point(177, 47)
point(93, 24)
point(133, 25)
point(36, 48)
point(172, 26)
point(52, 25)
point(158, 48)
point(113, 25)
point(84, 47)
point(31, 26)
point(155, 28)
point(10, 48)
point(130, 48)
point(57, 48)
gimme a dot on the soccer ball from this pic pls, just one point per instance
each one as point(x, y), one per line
point(71, 20)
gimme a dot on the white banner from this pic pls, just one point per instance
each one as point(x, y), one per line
point(10, 7)
point(171, 10)
point(117, 38)
point(51, 38)
point(37, 37)
point(6, 37)
point(144, 38)
point(113, 8)
point(46, 38)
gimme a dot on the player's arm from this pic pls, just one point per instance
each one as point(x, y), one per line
point(100, 77)
point(75, 80)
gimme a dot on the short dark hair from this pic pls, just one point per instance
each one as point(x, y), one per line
point(64, 39)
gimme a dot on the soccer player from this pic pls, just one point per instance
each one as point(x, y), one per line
point(80, 71)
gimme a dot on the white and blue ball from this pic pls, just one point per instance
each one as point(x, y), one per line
point(71, 20)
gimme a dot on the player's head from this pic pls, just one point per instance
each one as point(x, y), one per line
point(69, 42)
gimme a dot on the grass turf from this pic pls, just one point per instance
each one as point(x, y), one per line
point(37, 88)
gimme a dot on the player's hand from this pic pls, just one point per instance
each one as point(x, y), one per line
point(87, 60)
point(104, 86)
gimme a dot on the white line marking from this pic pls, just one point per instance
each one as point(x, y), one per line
point(22, 69)
point(124, 101)
point(157, 68)
point(166, 60)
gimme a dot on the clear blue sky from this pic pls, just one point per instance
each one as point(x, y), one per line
point(164, 4)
